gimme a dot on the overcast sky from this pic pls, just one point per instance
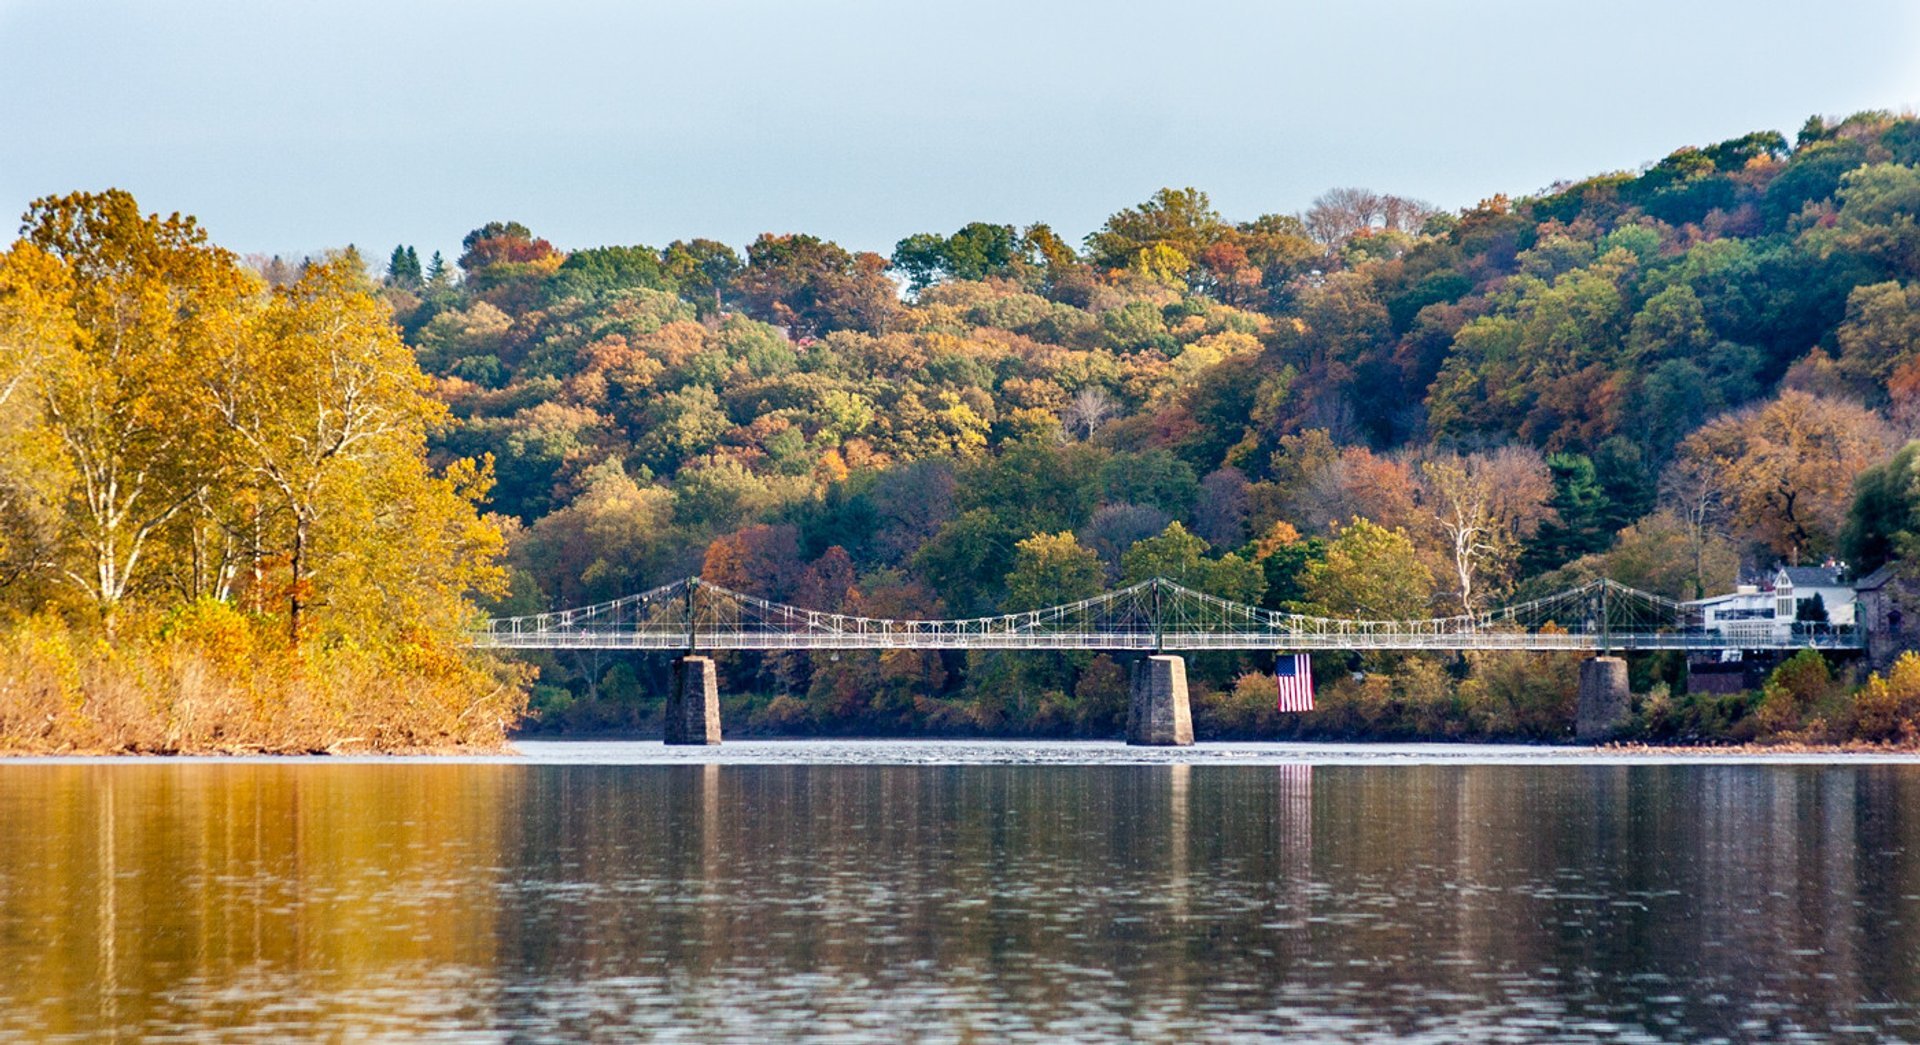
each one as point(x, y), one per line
point(291, 127)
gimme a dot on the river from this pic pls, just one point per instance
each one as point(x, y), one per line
point(961, 891)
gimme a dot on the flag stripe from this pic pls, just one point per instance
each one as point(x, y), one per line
point(1294, 673)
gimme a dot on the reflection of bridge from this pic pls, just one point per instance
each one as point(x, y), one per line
point(1153, 616)
point(1156, 615)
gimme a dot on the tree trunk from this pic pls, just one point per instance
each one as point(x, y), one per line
point(296, 592)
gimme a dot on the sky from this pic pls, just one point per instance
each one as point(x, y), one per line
point(296, 126)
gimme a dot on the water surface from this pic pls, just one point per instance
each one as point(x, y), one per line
point(909, 891)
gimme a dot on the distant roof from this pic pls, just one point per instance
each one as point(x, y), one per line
point(1812, 576)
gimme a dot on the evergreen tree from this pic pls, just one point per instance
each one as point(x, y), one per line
point(403, 268)
point(1582, 511)
point(1627, 482)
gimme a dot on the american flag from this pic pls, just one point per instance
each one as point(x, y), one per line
point(1295, 673)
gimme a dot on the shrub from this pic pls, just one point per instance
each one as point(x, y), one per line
point(1888, 707)
point(1802, 702)
point(212, 679)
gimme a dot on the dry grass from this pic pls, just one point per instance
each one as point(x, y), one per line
point(214, 687)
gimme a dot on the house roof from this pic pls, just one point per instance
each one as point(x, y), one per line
point(1812, 576)
point(1713, 600)
point(1875, 580)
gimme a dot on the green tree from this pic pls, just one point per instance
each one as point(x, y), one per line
point(1368, 573)
point(1155, 478)
point(1579, 523)
point(1174, 554)
point(1177, 555)
point(1883, 521)
point(602, 270)
point(403, 268)
point(1182, 220)
point(968, 559)
point(978, 250)
point(1050, 569)
point(705, 271)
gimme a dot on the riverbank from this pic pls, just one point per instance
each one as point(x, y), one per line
point(212, 681)
point(924, 752)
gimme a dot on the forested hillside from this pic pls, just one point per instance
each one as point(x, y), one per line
point(259, 507)
point(1372, 408)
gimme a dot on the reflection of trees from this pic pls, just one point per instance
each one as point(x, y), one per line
point(136, 896)
point(746, 900)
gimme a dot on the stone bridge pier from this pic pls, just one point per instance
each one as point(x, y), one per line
point(1605, 704)
point(693, 702)
point(1159, 714)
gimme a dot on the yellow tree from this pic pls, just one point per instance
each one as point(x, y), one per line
point(35, 317)
point(1052, 568)
point(321, 393)
point(400, 551)
point(148, 303)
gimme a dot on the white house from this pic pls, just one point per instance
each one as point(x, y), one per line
point(1766, 615)
point(1744, 613)
point(1795, 584)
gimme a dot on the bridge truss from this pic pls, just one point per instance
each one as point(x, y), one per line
point(693, 614)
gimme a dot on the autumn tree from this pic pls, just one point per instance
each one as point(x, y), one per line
point(1484, 506)
point(320, 399)
point(502, 242)
point(759, 560)
point(1880, 333)
point(1786, 468)
point(1338, 215)
point(812, 286)
point(35, 320)
point(616, 537)
point(149, 303)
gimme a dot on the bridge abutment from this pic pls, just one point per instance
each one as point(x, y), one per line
point(1159, 714)
point(693, 702)
point(1605, 706)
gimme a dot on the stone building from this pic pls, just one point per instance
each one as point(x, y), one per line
point(1889, 607)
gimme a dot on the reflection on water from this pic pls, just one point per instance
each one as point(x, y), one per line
point(955, 901)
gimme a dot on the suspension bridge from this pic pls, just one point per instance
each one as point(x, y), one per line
point(1156, 615)
point(1159, 617)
